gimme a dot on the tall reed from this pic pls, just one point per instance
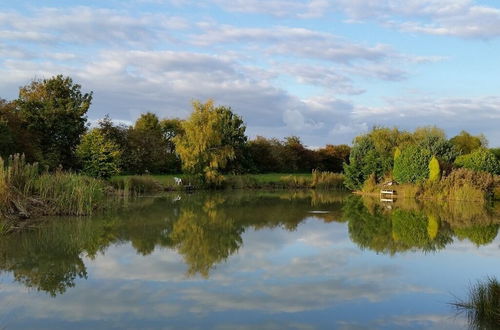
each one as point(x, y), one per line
point(482, 304)
point(69, 193)
point(327, 180)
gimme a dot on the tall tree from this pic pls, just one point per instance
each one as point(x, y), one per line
point(148, 145)
point(211, 138)
point(467, 143)
point(54, 111)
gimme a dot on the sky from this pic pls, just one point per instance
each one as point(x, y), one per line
point(323, 70)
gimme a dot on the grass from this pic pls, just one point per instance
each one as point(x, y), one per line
point(482, 304)
point(316, 180)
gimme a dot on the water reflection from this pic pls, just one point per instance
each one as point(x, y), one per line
point(206, 229)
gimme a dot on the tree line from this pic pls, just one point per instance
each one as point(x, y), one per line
point(385, 154)
point(48, 124)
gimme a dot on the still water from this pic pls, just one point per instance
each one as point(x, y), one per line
point(246, 260)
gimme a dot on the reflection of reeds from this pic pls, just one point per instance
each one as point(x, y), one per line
point(482, 304)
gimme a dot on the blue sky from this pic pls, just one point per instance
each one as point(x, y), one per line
point(324, 70)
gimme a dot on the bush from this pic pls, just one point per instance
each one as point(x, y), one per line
point(466, 184)
point(412, 165)
point(480, 160)
point(434, 170)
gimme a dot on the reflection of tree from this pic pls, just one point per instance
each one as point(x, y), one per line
point(479, 235)
point(391, 232)
point(206, 237)
point(49, 262)
point(416, 230)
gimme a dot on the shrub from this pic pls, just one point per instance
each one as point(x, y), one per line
point(412, 165)
point(480, 160)
point(466, 184)
point(370, 184)
point(434, 170)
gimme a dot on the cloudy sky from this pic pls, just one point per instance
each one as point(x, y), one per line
point(324, 70)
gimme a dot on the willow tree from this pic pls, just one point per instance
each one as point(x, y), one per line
point(211, 137)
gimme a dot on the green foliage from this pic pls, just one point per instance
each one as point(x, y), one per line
point(477, 234)
point(211, 138)
point(99, 156)
point(54, 111)
point(412, 165)
point(496, 152)
point(466, 143)
point(434, 170)
point(364, 160)
point(480, 160)
point(439, 147)
point(410, 228)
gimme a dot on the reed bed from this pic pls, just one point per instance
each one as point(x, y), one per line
point(482, 304)
point(327, 180)
point(136, 184)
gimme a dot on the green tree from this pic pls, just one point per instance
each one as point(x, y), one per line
point(466, 143)
point(54, 111)
point(434, 170)
point(364, 160)
point(211, 138)
point(148, 147)
point(171, 128)
point(99, 157)
point(265, 154)
point(412, 165)
point(480, 160)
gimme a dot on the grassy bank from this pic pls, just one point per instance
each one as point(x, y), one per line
point(151, 183)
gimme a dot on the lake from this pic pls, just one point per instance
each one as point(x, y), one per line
point(250, 259)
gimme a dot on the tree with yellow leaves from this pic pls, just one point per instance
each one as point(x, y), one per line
point(211, 137)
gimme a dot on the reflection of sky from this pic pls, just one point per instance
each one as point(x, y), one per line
point(313, 277)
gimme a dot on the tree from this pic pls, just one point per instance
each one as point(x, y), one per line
point(148, 151)
point(480, 160)
point(364, 160)
point(496, 152)
point(99, 157)
point(54, 111)
point(439, 147)
point(171, 128)
point(412, 165)
point(211, 138)
point(332, 157)
point(434, 170)
point(466, 143)
point(265, 154)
